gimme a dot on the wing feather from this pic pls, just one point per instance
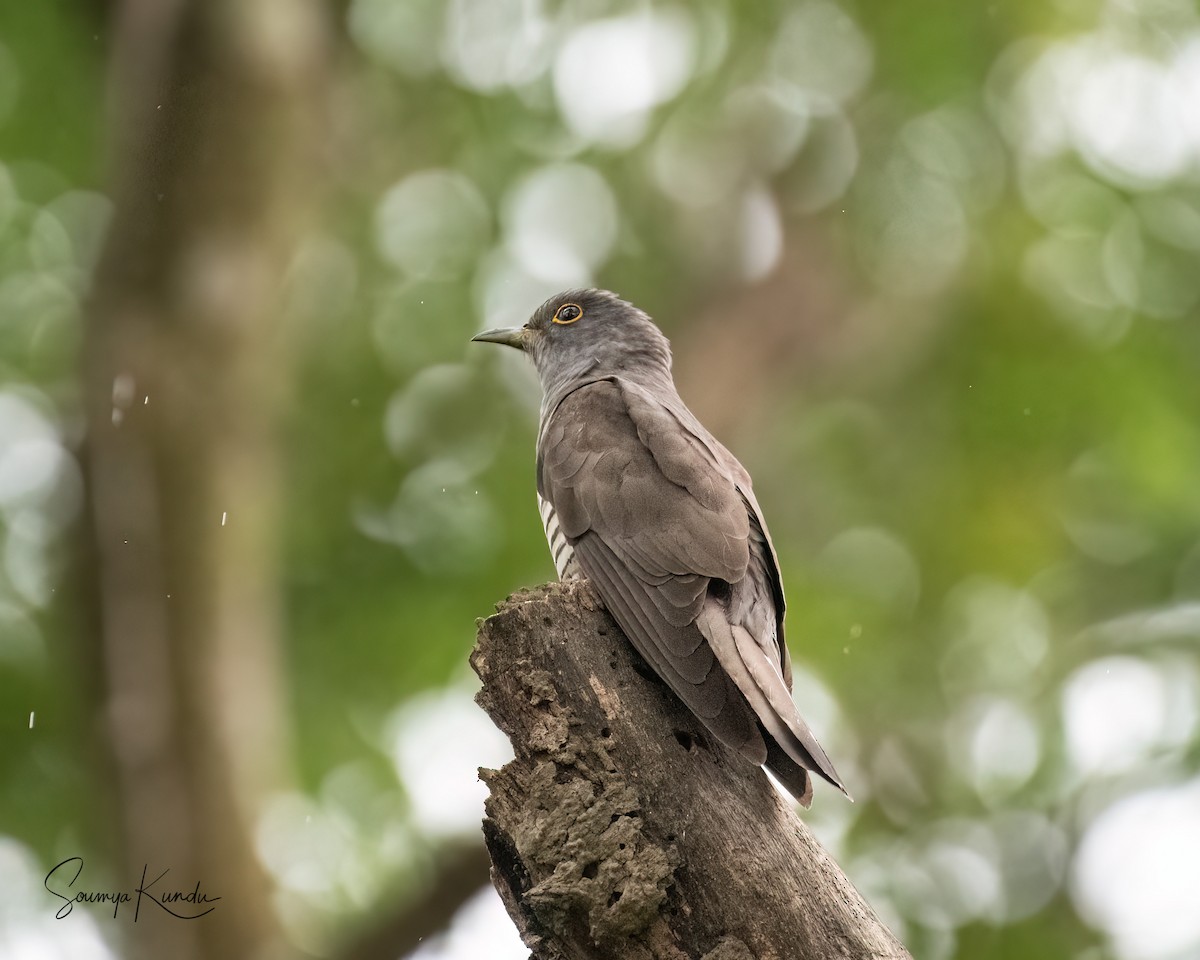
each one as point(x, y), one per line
point(697, 679)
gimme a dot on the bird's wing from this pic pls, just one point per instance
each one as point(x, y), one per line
point(613, 461)
point(653, 519)
point(763, 556)
point(718, 461)
point(758, 662)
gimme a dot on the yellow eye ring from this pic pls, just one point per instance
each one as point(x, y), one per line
point(567, 313)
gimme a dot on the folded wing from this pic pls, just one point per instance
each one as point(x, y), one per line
point(657, 514)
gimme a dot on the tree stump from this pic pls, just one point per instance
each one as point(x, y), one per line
point(622, 829)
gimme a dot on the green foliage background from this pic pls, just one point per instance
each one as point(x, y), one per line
point(966, 381)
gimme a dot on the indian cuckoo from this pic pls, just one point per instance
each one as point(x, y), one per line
point(639, 498)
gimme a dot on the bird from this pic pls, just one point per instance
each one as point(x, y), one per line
point(638, 497)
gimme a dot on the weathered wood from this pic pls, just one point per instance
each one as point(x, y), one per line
point(622, 830)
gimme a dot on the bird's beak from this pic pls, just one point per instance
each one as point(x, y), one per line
point(509, 336)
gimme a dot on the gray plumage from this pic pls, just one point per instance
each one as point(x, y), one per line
point(638, 497)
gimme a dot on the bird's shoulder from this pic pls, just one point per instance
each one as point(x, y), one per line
point(614, 459)
point(604, 414)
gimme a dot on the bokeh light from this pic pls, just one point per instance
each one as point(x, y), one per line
point(932, 278)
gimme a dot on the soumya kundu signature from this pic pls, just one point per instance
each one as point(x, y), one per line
point(184, 904)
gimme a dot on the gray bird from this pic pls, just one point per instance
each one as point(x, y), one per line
point(638, 497)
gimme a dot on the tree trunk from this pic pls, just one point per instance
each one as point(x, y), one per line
point(622, 829)
point(214, 135)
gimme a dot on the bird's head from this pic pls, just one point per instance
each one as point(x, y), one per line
point(589, 333)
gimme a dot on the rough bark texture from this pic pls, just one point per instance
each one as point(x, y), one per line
point(622, 830)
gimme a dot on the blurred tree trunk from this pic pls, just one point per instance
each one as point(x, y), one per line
point(461, 872)
point(213, 111)
point(623, 830)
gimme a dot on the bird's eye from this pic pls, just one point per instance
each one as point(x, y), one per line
point(568, 313)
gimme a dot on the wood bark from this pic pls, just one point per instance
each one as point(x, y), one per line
point(622, 829)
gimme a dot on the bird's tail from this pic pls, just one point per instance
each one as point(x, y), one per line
point(791, 747)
